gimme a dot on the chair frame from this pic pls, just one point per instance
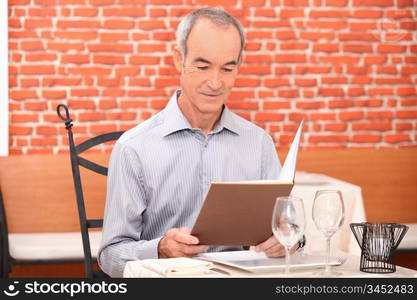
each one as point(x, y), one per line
point(76, 162)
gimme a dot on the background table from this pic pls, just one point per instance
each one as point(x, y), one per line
point(306, 185)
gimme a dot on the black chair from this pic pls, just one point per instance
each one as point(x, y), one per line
point(76, 161)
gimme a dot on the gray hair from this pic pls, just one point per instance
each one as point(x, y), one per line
point(214, 14)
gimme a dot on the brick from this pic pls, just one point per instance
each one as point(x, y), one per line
point(75, 59)
point(296, 2)
point(46, 130)
point(406, 114)
point(372, 126)
point(252, 35)
point(391, 48)
point(328, 139)
point(37, 69)
point(252, 46)
point(330, 92)
point(40, 57)
point(100, 129)
point(334, 25)
point(28, 82)
point(118, 24)
point(367, 14)
point(334, 80)
point(23, 118)
point(31, 45)
point(366, 138)
point(126, 11)
point(403, 126)
point(285, 35)
point(64, 47)
point(338, 127)
point(54, 94)
point(255, 69)
point(163, 36)
point(290, 58)
point(238, 95)
point(90, 71)
point(159, 104)
point(318, 14)
point(22, 34)
point(14, 23)
point(88, 24)
point(288, 93)
point(275, 82)
point(57, 81)
point(244, 105)
point(309, 104)
point(387, 70)
point(91, 116)
point(49, 141)
point(81, 104)
point(323, 116)
point(23, 94)
point(357, 48)
point(337, 3)
point(253, 3)
point(113, 92)
point(165, 82)
point(380, 3)
point(151, 48)
point(20, 130)
point(341, 59)
point(362, 26)
point(397, 138)
point(35, 106)
point(127, 71)
point(110, 82)
point(84, 92)
point(380, 115)
point(258, 58)
point(146, 93)
point(406, 91)
point(134, 104)
point(380, 91)
point(85, 12)
point(38, 23)
point(293, 46)
point(305, 82)
point(247, 82)
point(108, 2)
point(265, 117)
point(351, 115)
point(113, 37)
point(353, 36)
point(144, 60)
point(151, 24)
point(110, 47)
point(76, 35)
point(326, 47)
point(316, 36)
point(343, 103)
point(108, 59)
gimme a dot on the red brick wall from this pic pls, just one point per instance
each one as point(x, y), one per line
point(348, 67)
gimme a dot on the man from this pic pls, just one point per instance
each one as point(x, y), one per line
point(160, 170)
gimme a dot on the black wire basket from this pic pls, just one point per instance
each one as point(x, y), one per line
point(378, 242)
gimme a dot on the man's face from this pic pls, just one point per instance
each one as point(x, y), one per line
point(210, 67)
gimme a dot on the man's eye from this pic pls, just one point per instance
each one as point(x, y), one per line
point(202, 68)
point(227, 70)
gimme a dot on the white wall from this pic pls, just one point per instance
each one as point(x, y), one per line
point(4, 81)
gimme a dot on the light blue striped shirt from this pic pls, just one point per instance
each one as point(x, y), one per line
point(160, 171)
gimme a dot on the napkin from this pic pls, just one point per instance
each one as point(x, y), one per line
point(171, 267)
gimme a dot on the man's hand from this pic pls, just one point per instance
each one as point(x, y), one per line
point(273, 248)
point(178, 242)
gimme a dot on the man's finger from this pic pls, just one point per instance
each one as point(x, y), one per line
point(193, 250)
point(267, 244)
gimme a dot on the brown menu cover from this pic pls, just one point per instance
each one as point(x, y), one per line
point(238, 213)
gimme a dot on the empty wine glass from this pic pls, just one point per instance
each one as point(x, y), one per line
point(288, 223)
point(328, 216)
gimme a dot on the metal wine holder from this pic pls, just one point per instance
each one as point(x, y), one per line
point(378, 242)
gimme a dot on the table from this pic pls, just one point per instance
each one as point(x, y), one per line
point(349, 269)
point(305, 187)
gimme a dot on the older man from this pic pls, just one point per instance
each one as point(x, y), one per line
point(160, 170)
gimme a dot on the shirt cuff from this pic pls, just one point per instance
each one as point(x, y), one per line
point(149, 249)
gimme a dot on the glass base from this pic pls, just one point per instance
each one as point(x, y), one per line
point(324, 273)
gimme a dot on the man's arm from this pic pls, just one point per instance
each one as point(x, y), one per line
point(125, 204)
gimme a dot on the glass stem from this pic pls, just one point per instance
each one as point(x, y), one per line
point(327, 269)
point(287, 260)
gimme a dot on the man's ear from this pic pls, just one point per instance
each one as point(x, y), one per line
point(176, 54)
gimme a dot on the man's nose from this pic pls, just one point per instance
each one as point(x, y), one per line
point(215, 81)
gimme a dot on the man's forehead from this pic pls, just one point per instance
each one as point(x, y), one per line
point(213, 42)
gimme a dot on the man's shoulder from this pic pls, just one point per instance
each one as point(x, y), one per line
point(143, 130)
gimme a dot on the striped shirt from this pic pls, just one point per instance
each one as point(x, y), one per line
point(160, 171)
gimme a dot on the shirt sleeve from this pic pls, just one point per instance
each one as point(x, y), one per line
point(271, 166)
point(125, 204)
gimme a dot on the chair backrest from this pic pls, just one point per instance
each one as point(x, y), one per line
point(76, 162)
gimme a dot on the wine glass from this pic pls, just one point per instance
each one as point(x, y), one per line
point(288, 223)
point(328, 216)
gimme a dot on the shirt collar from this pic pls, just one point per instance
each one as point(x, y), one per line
point(175, 121)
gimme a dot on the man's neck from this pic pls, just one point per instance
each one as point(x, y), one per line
point(197, 118)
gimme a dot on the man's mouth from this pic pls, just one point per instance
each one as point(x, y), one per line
point(211, 95)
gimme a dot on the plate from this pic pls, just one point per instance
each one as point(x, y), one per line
point(254, 262)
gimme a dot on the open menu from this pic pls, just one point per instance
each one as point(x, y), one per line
point(239, 212)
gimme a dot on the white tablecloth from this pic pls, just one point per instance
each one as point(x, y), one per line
point(306, 185)
point(348, 269)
